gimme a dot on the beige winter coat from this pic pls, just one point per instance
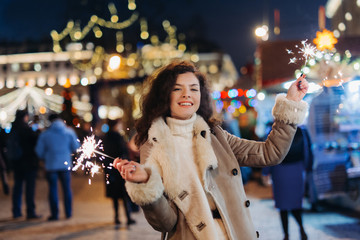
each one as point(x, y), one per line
point(166, 198)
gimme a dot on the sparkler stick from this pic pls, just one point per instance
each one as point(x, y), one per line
point(103, 154)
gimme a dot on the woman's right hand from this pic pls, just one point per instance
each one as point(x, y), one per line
point(131, 171)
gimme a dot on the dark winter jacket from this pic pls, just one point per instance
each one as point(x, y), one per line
point(115, 146)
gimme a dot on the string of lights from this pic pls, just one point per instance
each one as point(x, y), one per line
point(75, 32)
point(151, 56)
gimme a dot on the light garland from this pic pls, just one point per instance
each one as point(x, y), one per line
point(33, 98)
point(75, 32)
point(96, 60)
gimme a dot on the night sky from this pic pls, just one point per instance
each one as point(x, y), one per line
point(227, 25)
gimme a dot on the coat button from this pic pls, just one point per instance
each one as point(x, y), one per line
point(247, 203)
point(234, 172)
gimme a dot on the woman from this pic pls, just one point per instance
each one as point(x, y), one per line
point(189, 182)
point(288, 180)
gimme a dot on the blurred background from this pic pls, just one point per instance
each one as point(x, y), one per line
point(88, 61)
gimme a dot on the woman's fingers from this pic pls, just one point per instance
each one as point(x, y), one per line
point(119, 163)
point(301, 83)
point(127, 168)
point(298, 89)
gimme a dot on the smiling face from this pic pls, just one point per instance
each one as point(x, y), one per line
point(185, 96)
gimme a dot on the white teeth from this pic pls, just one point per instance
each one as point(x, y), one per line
point(185, 104)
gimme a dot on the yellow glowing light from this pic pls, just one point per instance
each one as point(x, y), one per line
point(182, 47)
point(132, 6)
point(166, 24)
point(67, 84)
point(98, 33)
point(144, 35)
point(130, 62)
point(195, 58)
point(242, 109)
point(48, 91)
point(42, 110)
point(325, 40)
point(213, 69)
point(98, 71)
point(120, 48)
point(276, 30)
point(173, 42)
point(154, 39)
point(130, 89)
point(77, 35)
point(114, 18)
point(114, 62)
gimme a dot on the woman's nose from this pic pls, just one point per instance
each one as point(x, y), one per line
point(186, 94)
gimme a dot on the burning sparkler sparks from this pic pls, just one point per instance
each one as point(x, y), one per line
point(88, 150)
point(307, 51)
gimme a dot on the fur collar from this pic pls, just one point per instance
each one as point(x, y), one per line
point(164, 154)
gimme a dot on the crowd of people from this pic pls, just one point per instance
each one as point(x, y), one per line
point(30, 148)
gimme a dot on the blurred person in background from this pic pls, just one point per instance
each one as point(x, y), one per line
point(3, 175)
point(310, 187)
point(24, 162)
point(3, 163)
point(115, 145)
point(56, 146)
point(288, 182)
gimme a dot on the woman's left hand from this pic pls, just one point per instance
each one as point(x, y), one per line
point(298, 89)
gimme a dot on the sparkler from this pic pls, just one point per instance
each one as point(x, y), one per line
point(308, 52)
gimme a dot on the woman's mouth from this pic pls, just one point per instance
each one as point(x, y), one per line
point(185, 104)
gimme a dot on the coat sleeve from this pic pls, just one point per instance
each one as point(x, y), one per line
point(287, 114)
point(160, 212)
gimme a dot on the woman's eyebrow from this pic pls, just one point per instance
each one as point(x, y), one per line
point(191, 85)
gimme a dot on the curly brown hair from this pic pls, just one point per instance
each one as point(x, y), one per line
point(156, 102)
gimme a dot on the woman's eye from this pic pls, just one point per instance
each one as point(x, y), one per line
point(176, 89)
point(194, 89)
